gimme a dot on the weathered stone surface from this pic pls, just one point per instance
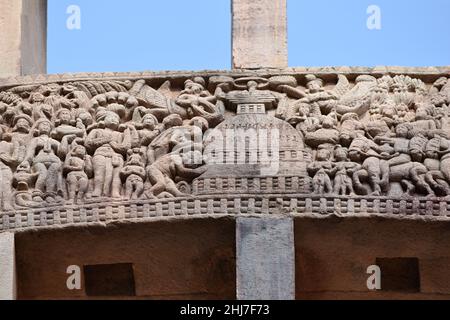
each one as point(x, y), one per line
point(190, 259)
point(259, 34)
point(267, 142)
point(23, 37)
point(7, 267)
point(332, 257)
point(265, 260)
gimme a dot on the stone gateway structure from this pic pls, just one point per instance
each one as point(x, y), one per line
point(263, 182)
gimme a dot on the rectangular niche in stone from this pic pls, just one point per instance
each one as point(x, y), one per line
point(399, 274)
point(109, 280)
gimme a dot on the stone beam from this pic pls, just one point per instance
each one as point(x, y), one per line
point(259, 34)
point(7, 267)
point(23, 37)
point(265, 259)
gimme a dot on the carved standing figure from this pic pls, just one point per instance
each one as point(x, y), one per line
point(344, 169)
point(320, 170)
point(134, 174)
point(7, 162)
point(76, 167)
point(43, 153)
point(108, 145)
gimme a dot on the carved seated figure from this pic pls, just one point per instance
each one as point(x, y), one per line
point(134, 174)
point(319, 101)
point(370, 155)
point(400, 144)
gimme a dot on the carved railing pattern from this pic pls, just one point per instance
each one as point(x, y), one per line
point(230, 205)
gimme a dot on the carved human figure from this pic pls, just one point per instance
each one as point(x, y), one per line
point(438, 163)
point(23, 181)
point(147, 129)
point(133, 173)
point(66, 125)
point(199, 102)
point(351, 126)
point(53, 94)
point(7, 162)
point(317, 99)
point(76, 167)
point(163, 173)
point(320, 170)
point(20, 136)
point(41, 110)
point(164, 142)
point(108, 145)
point(366, 152)
point(190, 136)
point(343, 171)
point(400, 144)
point(79, 100)
point(328, 133)
point(435, 177)
point(43, 153)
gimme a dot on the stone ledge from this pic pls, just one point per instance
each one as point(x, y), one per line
point(295, 205)
point(169, 75)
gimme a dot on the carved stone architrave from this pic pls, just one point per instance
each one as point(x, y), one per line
point(82, 149)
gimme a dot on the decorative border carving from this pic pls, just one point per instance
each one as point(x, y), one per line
point(231, 205)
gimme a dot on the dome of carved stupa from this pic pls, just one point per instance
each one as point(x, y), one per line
point(254, 152)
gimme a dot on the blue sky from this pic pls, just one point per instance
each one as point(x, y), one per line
point(137, 35)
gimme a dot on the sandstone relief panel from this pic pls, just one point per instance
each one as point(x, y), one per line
point(72, 143)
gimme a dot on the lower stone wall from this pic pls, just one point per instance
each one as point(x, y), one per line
point(196, 259)
point(332, 258)
point(183, 260)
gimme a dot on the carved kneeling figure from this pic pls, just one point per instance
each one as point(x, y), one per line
point(164, 172)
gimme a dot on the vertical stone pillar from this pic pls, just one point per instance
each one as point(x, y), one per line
point(265, 259)
point(23, 37)
point(259, 34)
point(7, 267)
